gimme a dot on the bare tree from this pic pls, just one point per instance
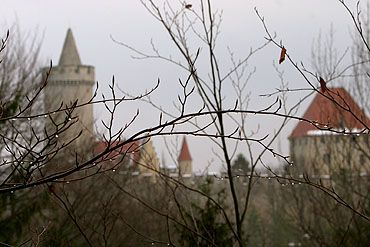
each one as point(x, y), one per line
point(220, 116)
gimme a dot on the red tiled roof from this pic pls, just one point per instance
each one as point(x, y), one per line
point(129, 148)
point(326, 112)
point(184, 153)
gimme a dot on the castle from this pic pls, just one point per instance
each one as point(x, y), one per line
point(334, 138)
point(70, 83)
point(313, 147)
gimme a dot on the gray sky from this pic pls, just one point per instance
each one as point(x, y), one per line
point(297, 24)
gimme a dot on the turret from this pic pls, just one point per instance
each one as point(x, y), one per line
point(70, 81)
point(148, 163)
point(185, 160)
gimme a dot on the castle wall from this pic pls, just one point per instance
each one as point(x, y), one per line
point(185, 167)
point(66, 84)
point(148, 164)
point(327, 154)
point(73, 73)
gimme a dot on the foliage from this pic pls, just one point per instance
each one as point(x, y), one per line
point(208, 227)
point(19, 210)
point(240, 165)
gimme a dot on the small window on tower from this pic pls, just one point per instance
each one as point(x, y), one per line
point(322, 139)
point(327, 158)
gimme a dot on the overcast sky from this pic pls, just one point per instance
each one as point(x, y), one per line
point(297, 24)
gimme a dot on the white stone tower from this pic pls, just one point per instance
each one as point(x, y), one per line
point(70, 81)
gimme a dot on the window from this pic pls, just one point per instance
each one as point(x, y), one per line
point(327, 158)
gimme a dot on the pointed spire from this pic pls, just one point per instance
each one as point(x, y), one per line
point(184, 153)
point(69, 55)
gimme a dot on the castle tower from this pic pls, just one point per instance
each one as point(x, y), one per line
point(316, 149)
point(70, 81)
point(185, 160)
point(148, 164)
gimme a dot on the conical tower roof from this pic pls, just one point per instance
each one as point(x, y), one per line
point(184, 153)
point(69, 55)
